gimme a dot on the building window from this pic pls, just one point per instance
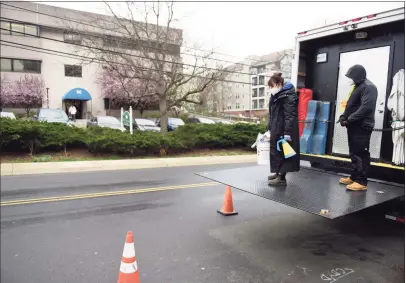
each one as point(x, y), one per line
point(254, 104)
point(73, 71)
point(31, 30)
point(237, 105)
point(20, 65)
point(255, 81)
point(72, 38)
point(254, 92)
point(19, 29)
point(261, 80)
point(261, 103)
point(5, 27)
point(261, 92)
point(6, 65)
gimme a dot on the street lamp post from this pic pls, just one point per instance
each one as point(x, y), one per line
point(47, 97)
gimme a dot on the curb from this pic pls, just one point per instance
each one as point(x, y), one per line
point(15, 169)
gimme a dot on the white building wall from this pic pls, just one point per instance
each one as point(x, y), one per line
point(53, 65)
point(53, 69)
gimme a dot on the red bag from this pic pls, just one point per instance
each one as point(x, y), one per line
point(305, 95)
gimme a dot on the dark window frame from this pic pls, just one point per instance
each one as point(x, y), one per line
point(37, 71)
point(10, 29)
point(71, 73)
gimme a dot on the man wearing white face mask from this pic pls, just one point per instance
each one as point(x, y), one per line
point(359, 118)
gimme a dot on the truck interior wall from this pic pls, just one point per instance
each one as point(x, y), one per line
point(322, 78)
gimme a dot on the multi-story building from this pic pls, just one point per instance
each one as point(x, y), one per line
point(39, 39)
point(244, 91)
point(261, 71)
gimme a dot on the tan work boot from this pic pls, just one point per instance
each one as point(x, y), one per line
point(356, 187)
point(272, 177)
point(346, 181)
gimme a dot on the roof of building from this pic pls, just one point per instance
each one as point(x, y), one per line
point(272, 57)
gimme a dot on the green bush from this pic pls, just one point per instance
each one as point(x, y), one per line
point(40, 135)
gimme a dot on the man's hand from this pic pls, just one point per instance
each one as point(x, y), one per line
point(287, 138)
point(342, 121)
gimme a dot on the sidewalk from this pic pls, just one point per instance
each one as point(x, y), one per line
point(14, 169)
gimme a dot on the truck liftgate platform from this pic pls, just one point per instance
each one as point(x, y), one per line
point(310, 190)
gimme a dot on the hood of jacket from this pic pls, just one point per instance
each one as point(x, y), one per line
point(357, 73)
point(286, 86)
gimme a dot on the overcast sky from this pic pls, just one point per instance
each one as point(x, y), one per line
point(242, 29)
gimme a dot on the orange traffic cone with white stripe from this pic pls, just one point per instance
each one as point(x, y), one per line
point(129, 268)
point(227, 208)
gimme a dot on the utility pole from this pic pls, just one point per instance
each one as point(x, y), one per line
point(47, 97)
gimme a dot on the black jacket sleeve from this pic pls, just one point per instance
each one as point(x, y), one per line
point(368, 101)
point(290, 112)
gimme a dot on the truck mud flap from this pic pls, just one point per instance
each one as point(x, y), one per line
point(309, 190)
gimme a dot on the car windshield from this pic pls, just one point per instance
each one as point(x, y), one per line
point(144, 122)
point(108, 120)
point(53, 114)
point(176, 121)
point(206, 121)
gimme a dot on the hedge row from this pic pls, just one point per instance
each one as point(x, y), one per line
point(16, 135)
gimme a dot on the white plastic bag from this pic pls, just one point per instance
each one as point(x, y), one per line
point(262, 137)
point(262, 145)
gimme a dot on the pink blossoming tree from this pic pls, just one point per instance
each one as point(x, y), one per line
point(5, 93)
point(27, 92)
point(122, 86)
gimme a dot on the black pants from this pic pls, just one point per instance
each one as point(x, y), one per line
point(358, 142)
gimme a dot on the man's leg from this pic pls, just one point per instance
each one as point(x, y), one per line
point(352, 135)
point(283, 176)
point(364, 156)
point(363, 159)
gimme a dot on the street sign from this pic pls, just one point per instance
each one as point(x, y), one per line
point(126, 118)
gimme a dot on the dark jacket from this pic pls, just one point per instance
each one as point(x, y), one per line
point(360, 109)
point(283, 120)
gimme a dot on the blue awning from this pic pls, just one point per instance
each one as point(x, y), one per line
point(77, 94)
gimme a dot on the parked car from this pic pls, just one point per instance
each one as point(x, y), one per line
point(105, 122)
point(146, 125)
point(227, 122)
point(173, 123)
point(52, 116)
point(9, 115)
point(196, 120)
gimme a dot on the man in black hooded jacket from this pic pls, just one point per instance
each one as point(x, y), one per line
point(359, 118)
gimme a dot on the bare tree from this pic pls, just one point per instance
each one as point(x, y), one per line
point(214, 97)
point(150, 53)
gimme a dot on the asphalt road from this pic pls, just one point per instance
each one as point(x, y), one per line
point(72, 227)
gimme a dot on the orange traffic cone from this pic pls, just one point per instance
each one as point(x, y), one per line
point(228, 208)
point(128, 268)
